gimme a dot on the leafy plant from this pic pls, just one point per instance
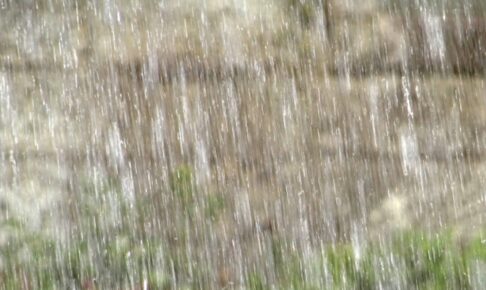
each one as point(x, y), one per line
point(181, 184)
point(119, 254)
point(215, 204)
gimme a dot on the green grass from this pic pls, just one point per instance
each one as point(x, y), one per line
point(118, 255)
point(421, 262)
point(305, 10)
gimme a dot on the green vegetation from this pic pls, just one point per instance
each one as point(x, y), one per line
point(304, 10)
point(110, 250)
point(411, 260)
point(181, 184)
point(215, 205)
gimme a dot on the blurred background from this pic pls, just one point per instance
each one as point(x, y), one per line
point(223, 144)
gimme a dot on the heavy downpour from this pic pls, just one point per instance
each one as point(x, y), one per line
point(242, 144)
